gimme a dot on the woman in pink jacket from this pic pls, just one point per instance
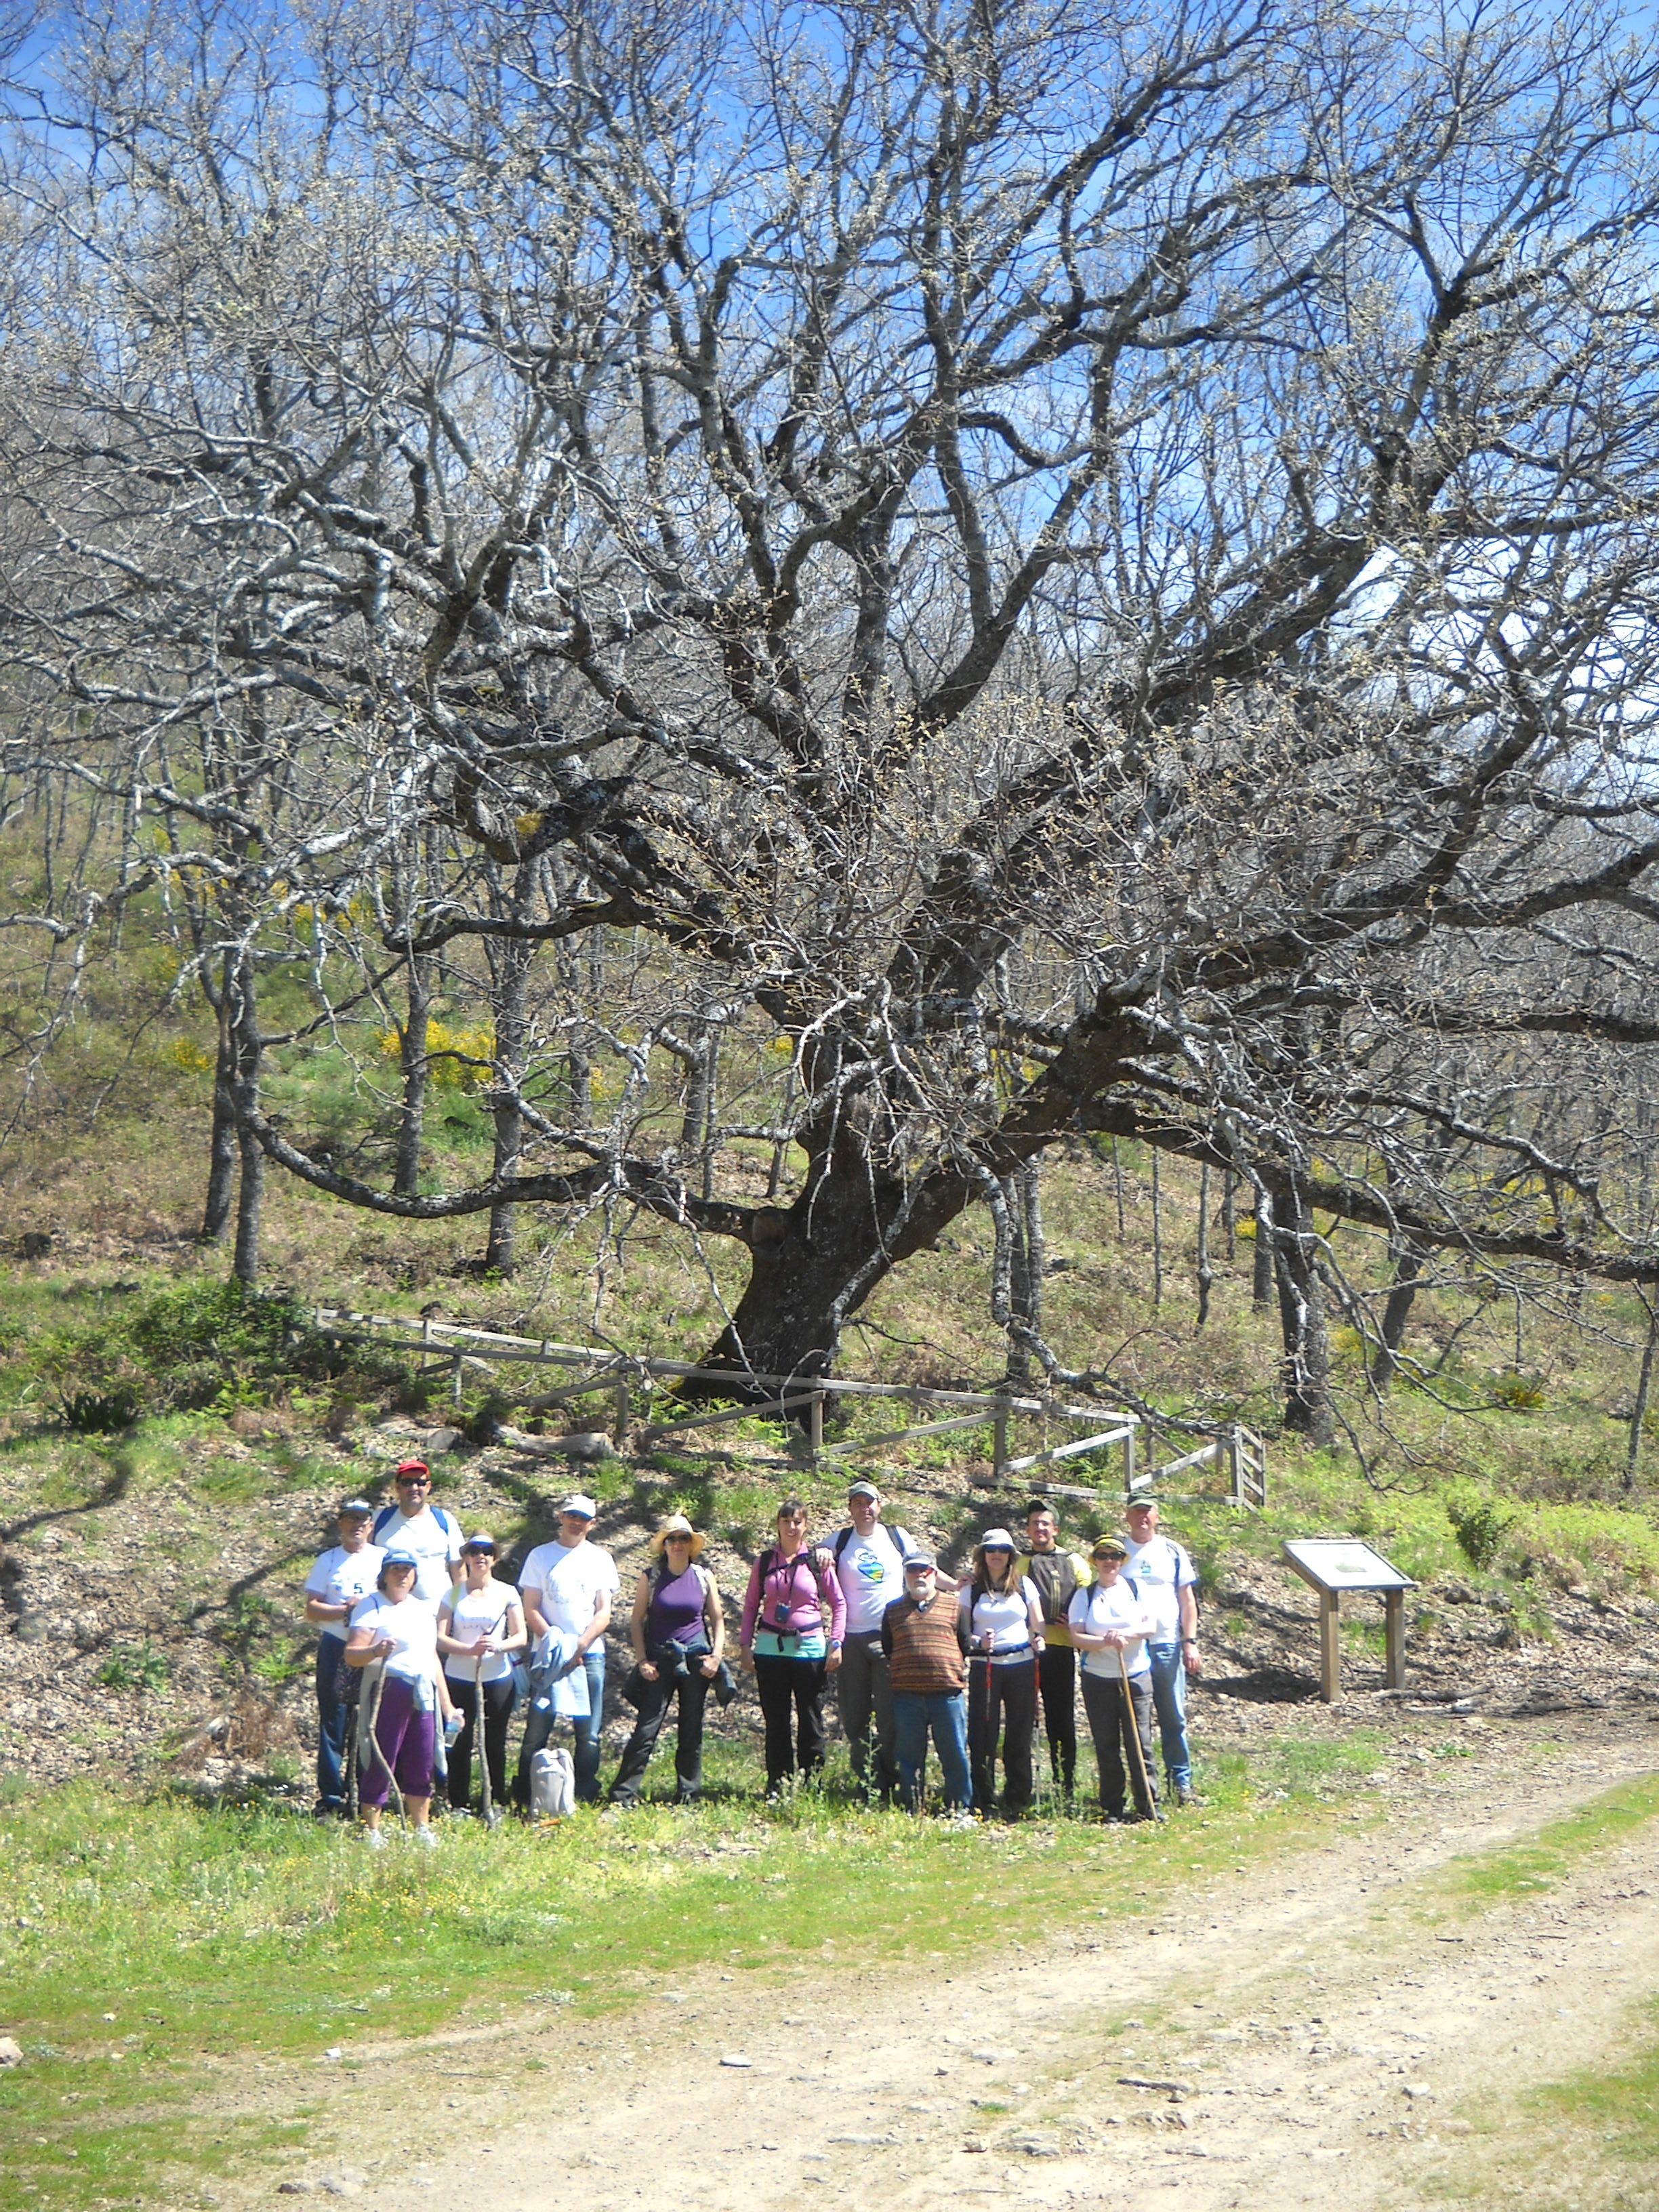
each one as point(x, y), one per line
point(786, 1646)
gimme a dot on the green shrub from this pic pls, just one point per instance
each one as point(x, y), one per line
point(101, 1412)
point(207, 1346)
point(1521, 1393)
point(134, 1666)
point(1479, 1525)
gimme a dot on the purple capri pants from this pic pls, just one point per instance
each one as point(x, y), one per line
point(405, 1736)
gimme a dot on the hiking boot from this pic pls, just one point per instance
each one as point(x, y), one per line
point(426, 1837)
point(374, 1840)
point(1184, 1797)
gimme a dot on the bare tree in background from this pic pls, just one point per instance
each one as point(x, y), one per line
point(1090, 571)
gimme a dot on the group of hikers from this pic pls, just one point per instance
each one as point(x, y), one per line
point(425, 1654)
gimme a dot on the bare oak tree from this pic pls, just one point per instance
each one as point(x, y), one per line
point(1089, 571)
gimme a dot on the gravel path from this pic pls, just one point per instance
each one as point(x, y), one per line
point(1343, 2028)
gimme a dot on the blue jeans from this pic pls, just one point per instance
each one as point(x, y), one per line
point(331, 1726)
point(585, 1758)
point(1170, 1701)
point(947, 1717)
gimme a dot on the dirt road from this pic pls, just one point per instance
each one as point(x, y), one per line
point(1351, 2028)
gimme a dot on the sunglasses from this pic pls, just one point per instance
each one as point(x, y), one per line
point(414, 1482)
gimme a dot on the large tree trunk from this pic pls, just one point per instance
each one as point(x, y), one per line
point(1407, 1272)
point(411, 1054)
point(814, 1263)
point(1307, 1406)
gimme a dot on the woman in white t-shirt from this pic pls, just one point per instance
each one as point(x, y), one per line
point(480, 1623)
point(342, 1575)
point(1004, 1620)
point(1109, 1624)
point(394, 1626)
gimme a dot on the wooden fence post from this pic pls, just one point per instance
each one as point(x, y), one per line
point(999, 1442)
point(815, 1424)
point(620, 1411)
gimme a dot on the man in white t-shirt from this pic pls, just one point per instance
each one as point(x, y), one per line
point(1167, 1582)
point(343, 1576)
point(570, 1585)
point(868, 1559)
point(429, 1534)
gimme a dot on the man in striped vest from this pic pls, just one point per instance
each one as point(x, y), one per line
point(926, 1640)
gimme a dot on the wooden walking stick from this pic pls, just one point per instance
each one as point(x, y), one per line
point(374, 1741)
point(1131, 1729)
point(487, 1807)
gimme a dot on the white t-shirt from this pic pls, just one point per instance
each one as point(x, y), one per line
point(436, 1550)
point(412, 1625)
point(872, 1572)
point(1004, 1615)
point(479, 1612)
point(341, 1577)
point(1162, 1570)
point(1099, 1611)
point(572, 1581)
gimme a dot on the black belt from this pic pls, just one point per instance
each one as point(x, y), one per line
point(1009, 1651)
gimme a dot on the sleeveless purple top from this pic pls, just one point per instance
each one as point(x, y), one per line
point(673, 1613)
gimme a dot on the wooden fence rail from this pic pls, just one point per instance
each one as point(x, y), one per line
point(453, 1347)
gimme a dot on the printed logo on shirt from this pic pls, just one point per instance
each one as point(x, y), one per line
point(869, 1569)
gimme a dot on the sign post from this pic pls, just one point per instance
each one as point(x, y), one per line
point(1332, 1564)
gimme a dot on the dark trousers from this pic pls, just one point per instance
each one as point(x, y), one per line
point(678, 1675)
point(864, 1693)
point(791, 1692)
point(1057, 1680)
point(498, 1711)
point(1109, 1722)
point(1006, 1703)
point(330, 1725)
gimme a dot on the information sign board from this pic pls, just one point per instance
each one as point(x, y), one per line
point(1335, 1564)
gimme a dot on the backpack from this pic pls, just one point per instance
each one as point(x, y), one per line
point(1056, 1589)
point(552, 1785)
point(389, 1513)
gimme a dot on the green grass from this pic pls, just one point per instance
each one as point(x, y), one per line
point(222, 1937)
point(1517, 1870)
point(1619, 2105)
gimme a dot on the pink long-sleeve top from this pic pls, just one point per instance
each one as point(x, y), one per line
point(791, 1584)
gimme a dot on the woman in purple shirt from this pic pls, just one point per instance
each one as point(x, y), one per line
point(678, 1632)
point(784, 1641)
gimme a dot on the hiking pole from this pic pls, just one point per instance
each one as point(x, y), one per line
point(354, 1721)
point(1132, 1729)
point(487, 1805)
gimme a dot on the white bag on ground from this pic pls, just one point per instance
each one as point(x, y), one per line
point(552, 1785)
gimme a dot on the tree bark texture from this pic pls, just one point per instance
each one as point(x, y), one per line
point(1307, 1406)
